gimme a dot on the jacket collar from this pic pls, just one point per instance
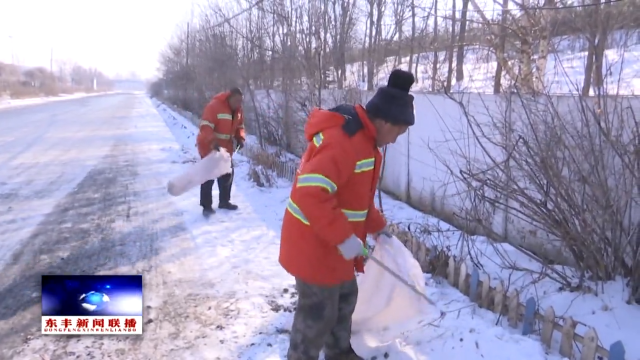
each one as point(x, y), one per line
point(367, 125)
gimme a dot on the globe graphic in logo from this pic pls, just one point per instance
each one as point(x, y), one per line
point(94, 301)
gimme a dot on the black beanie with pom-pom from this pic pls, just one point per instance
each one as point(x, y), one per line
point(393, 103)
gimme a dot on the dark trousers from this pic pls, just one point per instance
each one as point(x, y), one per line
point(322, 320)
point(224, 187)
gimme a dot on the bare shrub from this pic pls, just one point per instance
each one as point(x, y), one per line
point(261, 176)
point(435, 259)
point(276, 160)
point(565, 175)
point(261, 169)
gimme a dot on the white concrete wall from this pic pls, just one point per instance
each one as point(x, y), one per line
point(420, 167)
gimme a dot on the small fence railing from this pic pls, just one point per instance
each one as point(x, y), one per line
point(285, 169)
point(507, 303)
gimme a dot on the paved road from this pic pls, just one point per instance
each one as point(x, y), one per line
point(78, 196)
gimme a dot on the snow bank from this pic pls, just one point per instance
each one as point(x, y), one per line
point(8, 102)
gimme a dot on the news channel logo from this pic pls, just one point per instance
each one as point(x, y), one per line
point(92, 304)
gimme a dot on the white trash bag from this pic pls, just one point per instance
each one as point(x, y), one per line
point(214, 165)
point(386, 307)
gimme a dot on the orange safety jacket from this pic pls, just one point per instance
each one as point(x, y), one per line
point(332, 196)
point(219, 125)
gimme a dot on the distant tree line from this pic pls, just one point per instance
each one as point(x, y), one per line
point(289, 46)
point(22, 82)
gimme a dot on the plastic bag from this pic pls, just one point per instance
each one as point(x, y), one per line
point(386, 307)
point(214, 165)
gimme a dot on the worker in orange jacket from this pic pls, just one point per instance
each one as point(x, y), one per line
point(331, 210)
point(222, 122)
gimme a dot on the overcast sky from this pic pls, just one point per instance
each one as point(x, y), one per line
point(115, 36)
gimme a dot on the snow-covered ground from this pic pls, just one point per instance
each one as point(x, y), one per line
point(261, 295)
point(8, 102)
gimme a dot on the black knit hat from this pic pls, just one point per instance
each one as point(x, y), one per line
point(393, 103)
point(235, 91)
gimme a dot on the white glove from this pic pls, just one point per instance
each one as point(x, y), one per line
point(351, 248)
point(383, 235)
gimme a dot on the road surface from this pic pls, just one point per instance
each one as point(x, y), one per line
point(81, 193)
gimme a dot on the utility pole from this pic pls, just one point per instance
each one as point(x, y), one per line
point(188, 43)
point(13, 60)
point(51, 62)
point(189, 34)
point(188, 70)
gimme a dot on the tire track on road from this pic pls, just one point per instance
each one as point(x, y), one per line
point(89, 231)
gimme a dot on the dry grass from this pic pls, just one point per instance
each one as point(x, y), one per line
point(434, 259)
point(261, 170)
point(261, 176)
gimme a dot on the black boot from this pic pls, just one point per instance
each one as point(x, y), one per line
point(224, 186)
point(205, 198)
point(207, 212)
point(347, 355)
point(227, 206)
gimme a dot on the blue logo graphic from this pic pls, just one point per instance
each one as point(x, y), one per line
point(94, 301)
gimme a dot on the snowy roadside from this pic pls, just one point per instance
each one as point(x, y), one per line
point(263, 296)
point(8, 103)
point(606, 310)
point(211, 288)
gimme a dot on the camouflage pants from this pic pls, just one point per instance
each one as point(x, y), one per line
point(322, 319)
